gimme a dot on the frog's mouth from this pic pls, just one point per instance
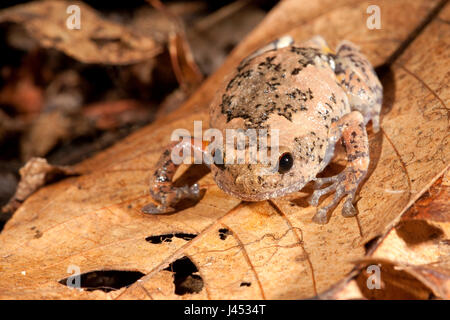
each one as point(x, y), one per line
point(262, 195)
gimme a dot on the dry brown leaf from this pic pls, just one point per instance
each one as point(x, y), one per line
point(33, 175)
point(419, 244)
point(40, 137)
point(150, 21)
point(186, 70)
point(171, 102)
point(228, 249)
point(9, 125)
point(97, 41)
point(214, 36)
point(347, 290)
point(184, 66)
point(113, 114)
point(23, 94)
point(414, 256)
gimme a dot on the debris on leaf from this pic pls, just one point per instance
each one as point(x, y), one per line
point(36, 173)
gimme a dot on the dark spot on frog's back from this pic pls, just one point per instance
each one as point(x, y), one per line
point(295, 71)
point(333, 98)
point(239, 76)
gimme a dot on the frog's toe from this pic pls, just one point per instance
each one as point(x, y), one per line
point(194, 191)
point(338, 185)
point(321, 216)
point(314, 199)
point(186, 192)
point(376, 123)
point(321, 181)
point(152, 208)
point(348, 210)
point(171, 198)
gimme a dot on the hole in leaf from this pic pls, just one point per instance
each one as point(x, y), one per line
point(369, 245)
point(246, 284)
point(105, 280)
point(224, 233)
point(168, 237)
point(185, 279)
point(417, 231)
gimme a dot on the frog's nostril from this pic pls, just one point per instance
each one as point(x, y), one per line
point(246, 184)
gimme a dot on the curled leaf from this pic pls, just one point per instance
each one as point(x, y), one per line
point(97, 40)
point(33, 175)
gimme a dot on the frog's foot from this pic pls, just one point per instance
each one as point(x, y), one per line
point(339, 184)
point(169, 196)
point(151, 208)
point(350, 128)
point(375, 117)
point(162, 188)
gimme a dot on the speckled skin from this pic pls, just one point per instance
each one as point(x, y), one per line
point(315, 97)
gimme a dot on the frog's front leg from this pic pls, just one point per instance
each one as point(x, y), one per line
point(350, 128)
point(161, 185)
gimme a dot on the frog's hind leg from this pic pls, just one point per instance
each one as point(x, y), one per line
point(358, 78)
point(350, 128)
point(279, 43)
point(161, 185)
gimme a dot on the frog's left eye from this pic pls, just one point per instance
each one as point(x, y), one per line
point(285, 162)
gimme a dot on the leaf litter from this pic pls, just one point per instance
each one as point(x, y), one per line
point(270, 249)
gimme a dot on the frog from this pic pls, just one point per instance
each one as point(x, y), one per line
point(316, 97)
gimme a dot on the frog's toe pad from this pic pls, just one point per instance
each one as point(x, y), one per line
point(321, 216)
point(348, 210)
point(314, 198)
point(152, 208)
point(195, 191)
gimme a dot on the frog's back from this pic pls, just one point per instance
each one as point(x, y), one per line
point(292, 88)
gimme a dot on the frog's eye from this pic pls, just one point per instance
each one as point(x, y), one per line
point(285, 162)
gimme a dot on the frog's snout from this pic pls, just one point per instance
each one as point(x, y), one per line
point(247, 184)
point(239, 180)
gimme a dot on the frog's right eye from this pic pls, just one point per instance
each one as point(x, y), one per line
point(285, 162)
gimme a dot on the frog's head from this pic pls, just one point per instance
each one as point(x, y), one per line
point(282, 175)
